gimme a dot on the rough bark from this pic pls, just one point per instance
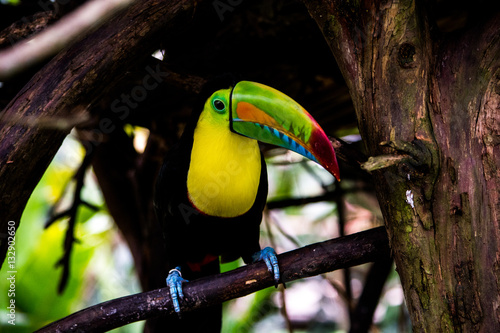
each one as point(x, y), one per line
point(436, 100)
point(78, 76)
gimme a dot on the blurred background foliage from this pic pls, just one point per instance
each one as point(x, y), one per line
point(101, 264)
point(10, 2)
point(102, 267)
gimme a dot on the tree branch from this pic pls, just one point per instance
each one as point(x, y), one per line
point(25, 27)
point(55, 38)
point(80, 75)
point(305, 262)
point(347, 153)
point(71, 213)
point(383, 161)
point(369, 299)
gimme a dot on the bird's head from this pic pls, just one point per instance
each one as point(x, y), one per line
point(265, 114)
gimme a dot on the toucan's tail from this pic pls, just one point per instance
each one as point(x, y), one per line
point(207, 320)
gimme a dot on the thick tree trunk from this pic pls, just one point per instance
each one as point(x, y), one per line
point(437, 101)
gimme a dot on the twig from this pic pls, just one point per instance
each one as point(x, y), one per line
point(53, 39)
point(278, 226)
point(327, 196)
point(72, 213)
point(308, 261)
point(383, 161)
point(282, 288)
point(312, 172)
point(369, 299)
point(283, 309)
point(346, 272)
point(346, 152)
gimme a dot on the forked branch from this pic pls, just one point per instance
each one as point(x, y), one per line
point(72, 213)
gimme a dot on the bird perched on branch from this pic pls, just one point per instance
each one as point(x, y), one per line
point(212, 187)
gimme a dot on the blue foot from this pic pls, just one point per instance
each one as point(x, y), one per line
point(269, 256)
point(174, 282)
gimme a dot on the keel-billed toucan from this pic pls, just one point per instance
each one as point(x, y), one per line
point(212, 187)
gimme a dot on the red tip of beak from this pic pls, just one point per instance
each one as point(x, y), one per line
point(324, 153)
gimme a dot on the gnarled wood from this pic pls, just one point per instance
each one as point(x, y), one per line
point(436, 100)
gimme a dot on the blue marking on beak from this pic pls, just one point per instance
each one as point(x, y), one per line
point(288, 142)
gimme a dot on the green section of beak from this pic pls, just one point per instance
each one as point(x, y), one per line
point(266, 114)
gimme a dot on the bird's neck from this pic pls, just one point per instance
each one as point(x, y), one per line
point(224, 172)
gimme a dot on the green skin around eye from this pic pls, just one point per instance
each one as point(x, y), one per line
point(219, 105)
point(220, 98)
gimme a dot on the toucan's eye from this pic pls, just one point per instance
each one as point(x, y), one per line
point(219, 105)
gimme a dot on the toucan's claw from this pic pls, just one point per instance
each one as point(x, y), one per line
point(174, 282)
point(271, 259)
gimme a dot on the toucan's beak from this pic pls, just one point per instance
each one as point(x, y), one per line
point(266, 114)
